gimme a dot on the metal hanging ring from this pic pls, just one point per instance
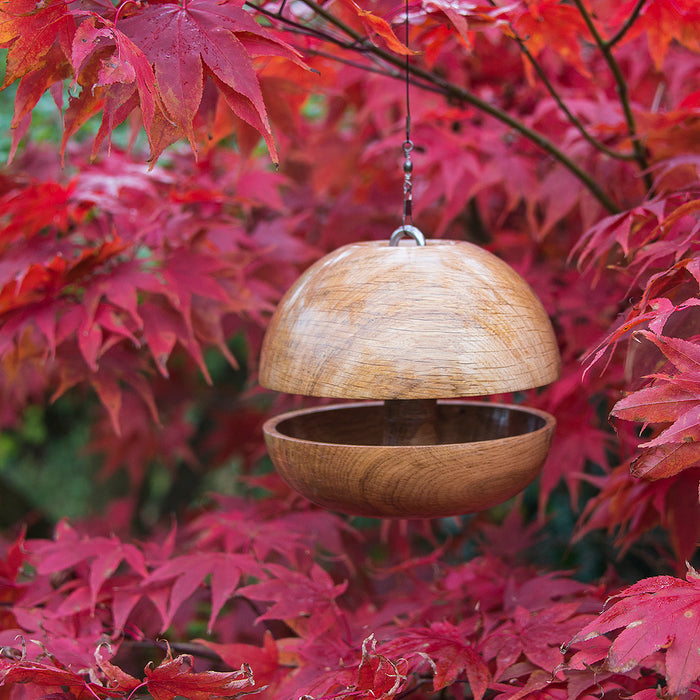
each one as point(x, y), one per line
point(407, 231)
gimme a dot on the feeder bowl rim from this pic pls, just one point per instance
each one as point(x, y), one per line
point(269, 427)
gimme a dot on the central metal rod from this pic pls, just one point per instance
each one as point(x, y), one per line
point(410, 422)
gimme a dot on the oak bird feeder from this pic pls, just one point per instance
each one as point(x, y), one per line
point(408, 329)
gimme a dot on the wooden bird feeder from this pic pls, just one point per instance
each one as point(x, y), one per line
point(416, 327)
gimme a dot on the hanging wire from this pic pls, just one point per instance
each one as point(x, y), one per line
point(407, 218)
point(407, 228)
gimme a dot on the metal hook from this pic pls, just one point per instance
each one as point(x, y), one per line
point(407, 231)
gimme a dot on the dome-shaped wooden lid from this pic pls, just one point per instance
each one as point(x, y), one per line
point(374, 321)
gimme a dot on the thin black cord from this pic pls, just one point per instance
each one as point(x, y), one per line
point(407, 144)
point(408, 92)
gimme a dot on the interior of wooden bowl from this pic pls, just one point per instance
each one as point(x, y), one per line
point(366, 423)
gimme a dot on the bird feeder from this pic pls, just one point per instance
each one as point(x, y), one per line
point(409, 330)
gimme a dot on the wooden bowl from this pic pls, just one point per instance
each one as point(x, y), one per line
point(372, 321)
point(481, 454)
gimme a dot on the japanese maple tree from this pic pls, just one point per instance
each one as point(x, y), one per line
point(204, 153)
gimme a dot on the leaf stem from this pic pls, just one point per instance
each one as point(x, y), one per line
point(622, 92)
point(463, 95)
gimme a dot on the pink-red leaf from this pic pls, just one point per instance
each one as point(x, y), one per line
point(30, 31)
point(660, 613)
point(684, 354)
point(174, 678)
point(379, 676)
point(450, 654)
point(298, 596)
point(685, 429)
point(666, 460)
point(379, 26)
point(663, 402)
point(186, 573)
point(184, 42)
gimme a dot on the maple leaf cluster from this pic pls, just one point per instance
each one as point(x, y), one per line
point(162, 58)
point(560, 135)
point(286, 627)
point(110, 273)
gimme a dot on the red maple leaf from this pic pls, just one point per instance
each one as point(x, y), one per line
point(671, 401)
point(656, 614)
point(186, 573)
point(449, 652)
point(379, 676)
point(535, 634)
point(117, 679)
point(103, 56)
point(174, 678)
point(103, 556)
point(242, 525)
point(156, 57)
point(375, 25)
point(306, 603)
point(551, 25)
point(186, 43)
point(660, 403)
point(466, 17)
point(44, 676)
point(664, 21)
point(264, 661)
point(12, 560)
point(30, 32)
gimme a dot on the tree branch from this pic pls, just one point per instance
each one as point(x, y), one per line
point(462, 95)
point(626, 26)
point(622, 92)
point(575, 121)
point(179, 647)
point(394, 74)
point(299, 28)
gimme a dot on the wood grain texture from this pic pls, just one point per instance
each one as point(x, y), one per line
point(370, 321)
point(482, 454)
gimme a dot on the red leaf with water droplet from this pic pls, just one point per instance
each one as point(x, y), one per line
point(31, 31)
point(186, 43)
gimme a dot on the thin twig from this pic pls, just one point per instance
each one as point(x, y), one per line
point(180, 647)
point(189, 648)
point(418, 684)
point(626, 26)
point(305, 30)
point(396, 75)
point(573, 119)
point(297, 28)
point(456, 92)
point(623, 94)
